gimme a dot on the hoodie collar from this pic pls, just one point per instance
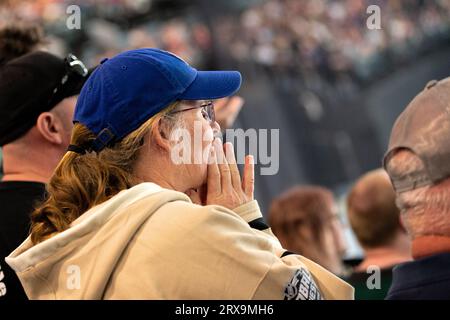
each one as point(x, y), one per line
point(27, 255)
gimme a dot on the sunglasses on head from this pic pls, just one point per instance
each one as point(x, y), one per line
point(73, 66)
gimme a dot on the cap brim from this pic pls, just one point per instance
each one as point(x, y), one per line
point(210, 85)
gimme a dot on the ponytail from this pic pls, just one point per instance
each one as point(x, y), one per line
point(82, 181)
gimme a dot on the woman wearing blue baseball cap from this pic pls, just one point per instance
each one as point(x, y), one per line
point(118, 224)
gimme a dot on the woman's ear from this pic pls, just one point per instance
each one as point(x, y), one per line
point(50, 128)
point(161, 136)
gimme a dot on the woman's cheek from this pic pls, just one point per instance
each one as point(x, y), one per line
point(208, 134)
point(208, 137)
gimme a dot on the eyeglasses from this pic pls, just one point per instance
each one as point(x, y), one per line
point(73, 66)
point(207, 111)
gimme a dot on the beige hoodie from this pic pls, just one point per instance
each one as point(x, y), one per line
point(152, 243)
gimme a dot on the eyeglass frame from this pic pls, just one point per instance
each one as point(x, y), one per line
point(211, 114)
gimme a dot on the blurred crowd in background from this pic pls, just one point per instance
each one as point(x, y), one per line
point(328, 38)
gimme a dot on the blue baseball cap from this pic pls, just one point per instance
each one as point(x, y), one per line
point(128, 89)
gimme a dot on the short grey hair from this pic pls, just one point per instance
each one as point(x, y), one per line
point(425, 210)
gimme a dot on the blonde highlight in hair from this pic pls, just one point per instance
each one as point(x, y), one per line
point(81, 182)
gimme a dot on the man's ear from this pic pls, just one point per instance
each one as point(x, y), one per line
point(50, 127)
point(160, 134)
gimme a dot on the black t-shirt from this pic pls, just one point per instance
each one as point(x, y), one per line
point(17, 199)
point(364, 291)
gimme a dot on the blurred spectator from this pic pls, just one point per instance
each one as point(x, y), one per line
point(18, 39)
point(375, 220)
point(305, 220)
point(227, 109)
point(37, 98)
point(418, 163)
point(107, 29)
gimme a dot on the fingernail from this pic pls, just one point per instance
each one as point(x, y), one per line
point(228, 147)
point(251, 160)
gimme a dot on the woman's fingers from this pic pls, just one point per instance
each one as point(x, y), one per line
point(224, 186)
point(235, 175)
point(248, 183)
point(213, 183)
point(225, 174)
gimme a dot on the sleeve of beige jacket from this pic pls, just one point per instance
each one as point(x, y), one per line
point(330, 286)
point(251, 212)
point(215, 254)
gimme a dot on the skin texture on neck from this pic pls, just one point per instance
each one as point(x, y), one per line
point(425, 246)
point(24, 160)
point(162, 174)
point(387, 256)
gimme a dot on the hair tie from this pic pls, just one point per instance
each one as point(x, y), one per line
point(76, 149)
